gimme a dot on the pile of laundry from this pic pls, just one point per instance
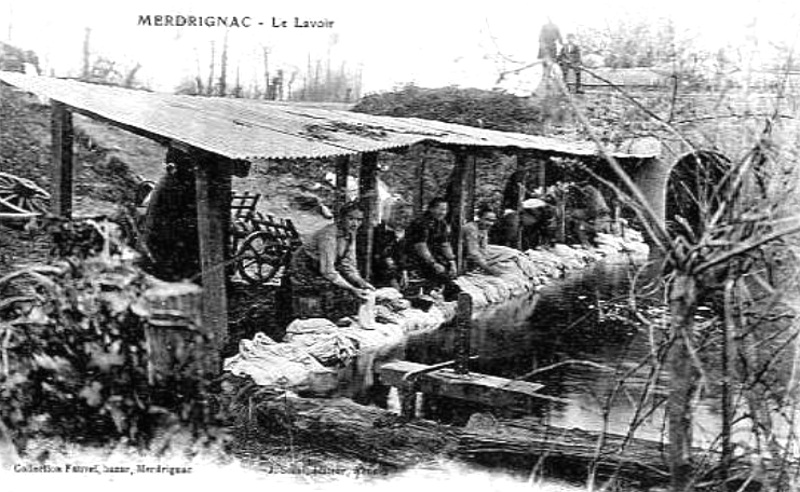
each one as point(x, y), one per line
point(515, 277)
point(524, 272)
point(313, 349)
point(630, 243)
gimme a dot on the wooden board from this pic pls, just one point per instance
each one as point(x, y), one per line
point(479, 388)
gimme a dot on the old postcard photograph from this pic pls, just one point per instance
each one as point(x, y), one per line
point(328, 245)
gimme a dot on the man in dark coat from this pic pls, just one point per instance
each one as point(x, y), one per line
point(170, 225)
point(388, 253)
point(570, 61)
point(429, 250)
point(549, 41)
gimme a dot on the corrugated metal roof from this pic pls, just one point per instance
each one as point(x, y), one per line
point(256, 130)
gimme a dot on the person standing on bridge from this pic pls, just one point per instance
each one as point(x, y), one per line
point(570, 61)
point(549, 44)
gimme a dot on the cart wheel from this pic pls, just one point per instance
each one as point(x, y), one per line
point(20, 195)
point(259, 257)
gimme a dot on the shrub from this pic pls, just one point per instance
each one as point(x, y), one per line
point(75, 358)
point(494, 110)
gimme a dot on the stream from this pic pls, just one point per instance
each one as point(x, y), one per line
point(556, 325)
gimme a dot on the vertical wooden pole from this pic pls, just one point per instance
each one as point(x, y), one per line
point(541, 168)
point(561, 214)
point(522, 191)
point(419, 179)
point(472, 169)
point(342, 172)
point(213, 212)
point(368, 194)
point(463, 333)
point(459, 214)
point(61, 174)
point(408, 401)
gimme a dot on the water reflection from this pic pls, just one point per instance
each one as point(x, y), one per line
point(572, 320)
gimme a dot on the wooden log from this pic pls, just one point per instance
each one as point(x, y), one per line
point(638, 459)
point(368, 194)
point(213, 215)
point(378, 436)
point(61, 173)
point(341, 425)
point(473, 387)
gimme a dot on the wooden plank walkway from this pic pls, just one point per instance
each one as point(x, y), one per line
point(478, 388)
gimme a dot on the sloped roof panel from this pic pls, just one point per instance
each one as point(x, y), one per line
point(256, 130)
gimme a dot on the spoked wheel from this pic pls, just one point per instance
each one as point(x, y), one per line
point(22, 196)
point(259, 257)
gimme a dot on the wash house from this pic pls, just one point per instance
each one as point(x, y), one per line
point(225, 137)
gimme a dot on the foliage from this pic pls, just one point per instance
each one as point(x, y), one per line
point(472, 107)
point(75, 354)
point(725, 253)
point(632, 42)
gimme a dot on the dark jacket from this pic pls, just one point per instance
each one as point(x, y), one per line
point(434, 233)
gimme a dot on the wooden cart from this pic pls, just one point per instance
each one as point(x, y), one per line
point(262, 245)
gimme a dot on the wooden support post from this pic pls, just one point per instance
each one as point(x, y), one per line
point(463, 333)
point(472, 178)
point(561, 216)
point(462, 183)
point(541, 181)
point(213, 215)
point(368, 194)
point(522, 192)
point(408, 402)
point(342, 173)
point(61, 175)
point(419, 179)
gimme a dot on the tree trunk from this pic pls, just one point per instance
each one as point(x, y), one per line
point(130, 78)
point(223, 67)
point(267, 91)
point(682, 381)
point(210, 84)
point(86, 53)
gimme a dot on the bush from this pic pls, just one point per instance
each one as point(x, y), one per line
point(74, 354)
point(494, 110)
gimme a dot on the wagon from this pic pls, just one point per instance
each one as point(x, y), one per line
point(262, 245)
point(21, 199)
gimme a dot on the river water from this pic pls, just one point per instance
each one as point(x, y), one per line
point(574, 319)
point(577, 318)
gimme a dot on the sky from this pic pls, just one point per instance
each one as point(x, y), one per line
point(429, 43)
